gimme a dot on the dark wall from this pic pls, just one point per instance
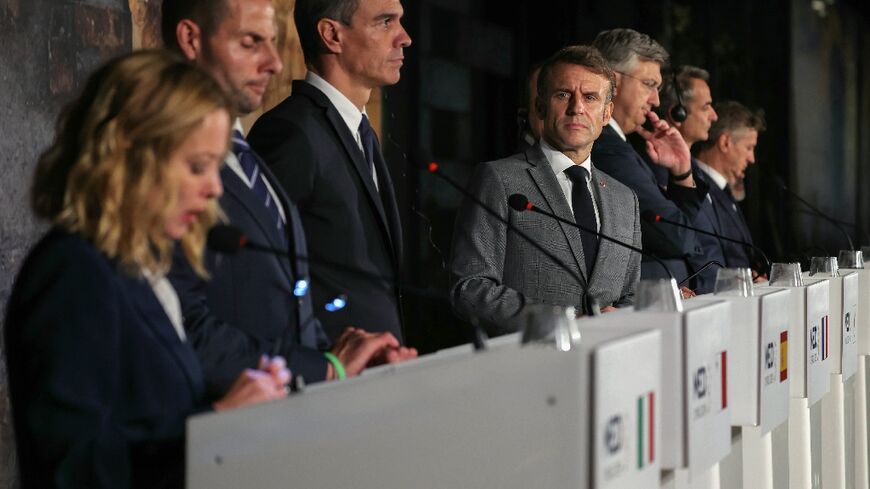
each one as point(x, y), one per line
point(49, 47)
point(458, 98)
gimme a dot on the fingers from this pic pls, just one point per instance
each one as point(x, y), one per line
point(276, 368)
point(687, 292)
point(644, 133)
point(251, 387)
point(652, 152)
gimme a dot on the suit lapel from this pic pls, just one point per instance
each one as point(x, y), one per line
point(607, 214)
point(355, 156)
point(729, 209)
point(309, 332)
point(543, 176)
point(152, 314)
point(391, 211)
point(236, 189)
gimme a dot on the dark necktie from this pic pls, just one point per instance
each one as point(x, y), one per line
point(367, 135)
point(250, 164)
point(584, 214)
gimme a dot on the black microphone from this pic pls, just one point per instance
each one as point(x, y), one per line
point(435, 170)
point(521, 203)
point(651, 216)
point(225, 238)
point(781, 184)
point(706, 266)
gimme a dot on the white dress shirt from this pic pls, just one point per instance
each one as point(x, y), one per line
point(619, 131)
point(350, 113)
point(717, 179)
point(559, 163)
point(168, 298)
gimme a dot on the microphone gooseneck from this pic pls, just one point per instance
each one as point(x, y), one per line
point(521, 203)
point(435, 170)
point(652, 217)
point(706, 265)
point(781, 184)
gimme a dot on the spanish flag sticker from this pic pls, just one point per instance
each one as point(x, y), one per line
point(783, 356)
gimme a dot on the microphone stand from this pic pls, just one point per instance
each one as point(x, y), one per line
point(434, 169)
point(658, 218)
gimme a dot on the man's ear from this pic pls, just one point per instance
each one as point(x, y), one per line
point(724, 142)
point(330, 35)
point(189, 37)
point(608, 113)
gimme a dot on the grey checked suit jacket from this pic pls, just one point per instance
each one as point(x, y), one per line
point(496, 273)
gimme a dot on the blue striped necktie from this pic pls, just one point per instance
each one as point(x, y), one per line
point(250, 163)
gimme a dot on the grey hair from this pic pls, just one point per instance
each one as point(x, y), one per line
point(623, 48)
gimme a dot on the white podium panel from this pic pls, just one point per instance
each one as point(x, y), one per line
point(809, 340)
point(758, 389)
point(506, 417)
point(696, 419)
point(863, 309)
point(843, 332)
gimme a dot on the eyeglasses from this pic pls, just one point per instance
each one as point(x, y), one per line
point(651, 85)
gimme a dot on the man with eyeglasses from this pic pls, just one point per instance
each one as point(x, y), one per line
point(637, 60)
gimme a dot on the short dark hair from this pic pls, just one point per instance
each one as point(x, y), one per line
point(586, 56)
point(733, 116)
point(622, 48)
point(684, 76)
point(306, 15)
point(208, 15)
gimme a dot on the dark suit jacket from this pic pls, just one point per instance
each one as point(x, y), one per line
point(496, 273)
point(727, 220)
point(671, 243)
point(247, 307)
point(348, 223)
point(100, 382)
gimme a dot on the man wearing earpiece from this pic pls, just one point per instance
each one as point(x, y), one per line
point(687, 105)
point(636, 60)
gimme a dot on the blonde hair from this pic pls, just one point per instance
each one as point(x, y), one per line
point(106, 176)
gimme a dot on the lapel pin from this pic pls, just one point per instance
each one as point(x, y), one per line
point(603, 183)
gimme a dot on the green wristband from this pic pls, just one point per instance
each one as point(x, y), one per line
point(340, 374)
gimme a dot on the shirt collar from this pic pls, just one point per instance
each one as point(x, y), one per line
point(348, 111)
point(559, 162)
point(615, 126)
point(237, 126)
point(714, 175)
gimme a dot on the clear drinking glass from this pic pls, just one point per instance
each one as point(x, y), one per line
point(658, 295)
point(824, 266)
point(551, 325)
point(734, 281)
point(786, 275)
point(851, 259)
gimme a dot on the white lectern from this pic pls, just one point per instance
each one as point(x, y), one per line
point(696, 416)
point(760, 371)
point(506, 417)
point(843, 337)
point(810, 347)
point(862, 427)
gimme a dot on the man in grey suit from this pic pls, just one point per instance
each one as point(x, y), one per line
point(497, 274)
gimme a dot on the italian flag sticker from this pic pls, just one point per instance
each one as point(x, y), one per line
point(645, 429)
